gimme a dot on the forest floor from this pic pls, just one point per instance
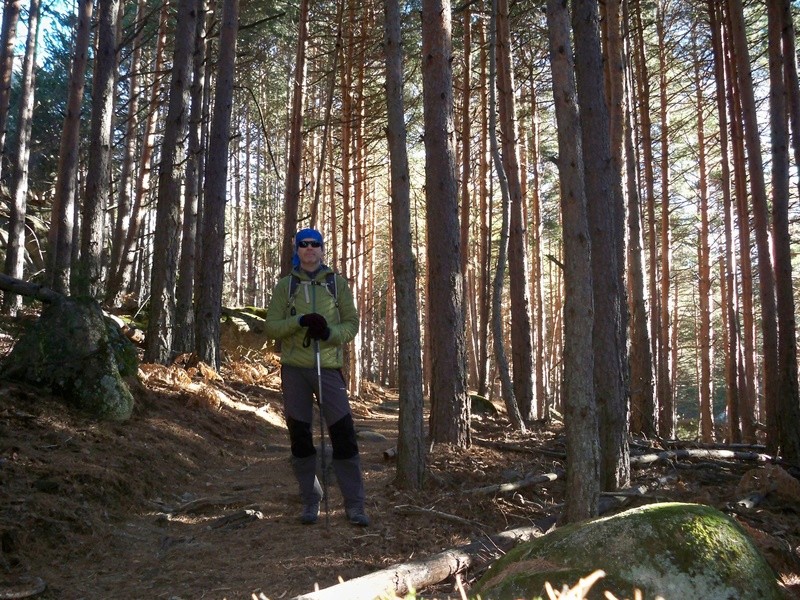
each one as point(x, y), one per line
point(193, 497)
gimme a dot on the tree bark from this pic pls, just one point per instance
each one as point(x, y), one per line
point(519, 284)
point(411, 434)
point(507, 388)
point(291, 197)
point(60, 240)
point(15, 249)
point(787, 402)
point(741, 416)
point(450, 409)
point(580, 413)
point(485, 225)
point(216, 179)
point(642, 80)
point(88, 279)
point(465, 129)
point(123, 211)
point(121, 277)
point(8, 35)
point(705, 333)
point(643, 402)
point(187, 268)
point(766, 276)
point(161, 322)
point(728, 283)
point(606, 227)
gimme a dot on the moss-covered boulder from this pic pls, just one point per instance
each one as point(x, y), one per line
point(74, 351)
point(671, 550)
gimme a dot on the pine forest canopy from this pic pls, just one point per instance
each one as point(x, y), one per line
point(166, 149)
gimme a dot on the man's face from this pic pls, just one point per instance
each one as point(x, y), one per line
point(310, 252)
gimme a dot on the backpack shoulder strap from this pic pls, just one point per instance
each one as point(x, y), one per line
point(330, 283)
point(294, 282)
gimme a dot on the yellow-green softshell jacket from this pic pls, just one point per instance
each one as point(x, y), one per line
point(283, 325)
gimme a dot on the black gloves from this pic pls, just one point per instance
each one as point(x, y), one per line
point(317, 326)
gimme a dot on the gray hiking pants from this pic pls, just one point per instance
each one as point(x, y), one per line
point(299, 387)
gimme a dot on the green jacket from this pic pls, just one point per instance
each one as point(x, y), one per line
point(283, 314)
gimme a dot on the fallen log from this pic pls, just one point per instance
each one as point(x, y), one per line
point(400, 579)
point(509, 447)
point(517, 485)
point(26, 288)
point(670, 455)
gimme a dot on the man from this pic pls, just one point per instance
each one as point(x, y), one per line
point(313, 314)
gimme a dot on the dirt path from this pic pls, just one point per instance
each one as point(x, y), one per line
point(185, 501)
point(194, 498)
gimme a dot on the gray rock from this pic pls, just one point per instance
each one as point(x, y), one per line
point(672, 550)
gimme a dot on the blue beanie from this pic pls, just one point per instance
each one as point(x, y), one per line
point(305, 234)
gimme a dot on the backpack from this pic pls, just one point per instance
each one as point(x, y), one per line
point(294, 285)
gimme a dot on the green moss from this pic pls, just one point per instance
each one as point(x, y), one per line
point(123, 349)
point(671, 549)
point(72, 351)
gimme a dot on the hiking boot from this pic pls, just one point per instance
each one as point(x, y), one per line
point(305, 470)
point(310, 514)
point(357, 516)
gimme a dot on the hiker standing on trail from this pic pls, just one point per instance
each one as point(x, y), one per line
point(313, 314)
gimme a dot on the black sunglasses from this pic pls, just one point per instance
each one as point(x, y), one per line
point(307, 243)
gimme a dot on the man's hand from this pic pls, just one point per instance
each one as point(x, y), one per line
point(317, 326)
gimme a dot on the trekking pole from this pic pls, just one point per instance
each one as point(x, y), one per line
point(322, 433)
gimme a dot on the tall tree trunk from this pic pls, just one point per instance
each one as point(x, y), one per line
point(643, 405)
point(665, 365)
point(59, 239)
point(485, 220)
point(88, 280)
point(465, 190)
point(15, 249)
point(580, 412)
point(507, 387)
point(123, 211)
point(291, 197)
point(184, 297)
point(728, 283)
point(792, 86)
point(521, 328)
point(249, 292)
point(331, 89)
point(161, 322)
point(642, 80)
point(8, 36)
point(741, 418)
point(216, 179)
point(705, 349)
point(450, 410)
point(411, 435)
point(358, 237)
point(606, 226)
point(121, 277)
point(787, 402)
point(537, 302)
point(766, 277)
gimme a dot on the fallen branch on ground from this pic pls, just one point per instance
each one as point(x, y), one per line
point(400, 579)
point(411, 509)
point(517, 485)
point(669, 455)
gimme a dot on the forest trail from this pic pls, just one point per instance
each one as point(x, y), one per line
point(194, 496)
